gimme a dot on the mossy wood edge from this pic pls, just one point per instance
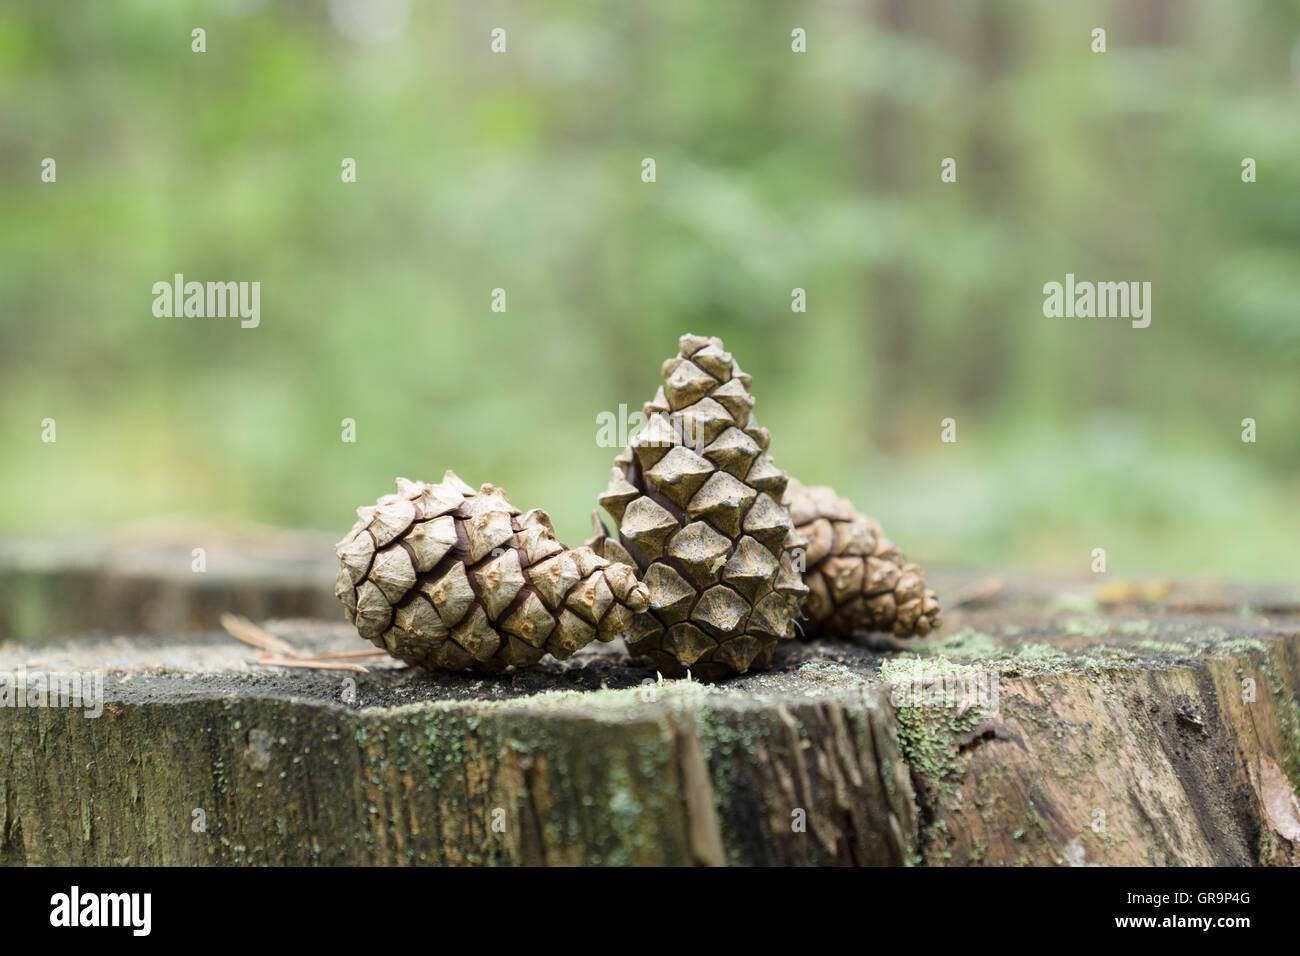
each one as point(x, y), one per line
point(519, 782)
point(1164, 732)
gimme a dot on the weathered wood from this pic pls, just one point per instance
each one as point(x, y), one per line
point(1121, 734)
point(287, 771)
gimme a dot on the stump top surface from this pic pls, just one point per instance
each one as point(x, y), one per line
point(1028, 627)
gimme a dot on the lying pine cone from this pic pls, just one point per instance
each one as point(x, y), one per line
point(449, 578)
point(859, 580)
point(698, 509)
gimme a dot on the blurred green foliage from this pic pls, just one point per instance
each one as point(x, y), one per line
point(775, 170)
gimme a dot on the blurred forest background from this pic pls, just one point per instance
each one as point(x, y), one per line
point(775, 170)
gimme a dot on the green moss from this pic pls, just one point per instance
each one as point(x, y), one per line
point(933, 717)
point(1075, 603)
point(1167, 647)
point(927, 736)
point(1286, 700)
point(1090, 627)
point(1040, 652)
point(831, 678)
point(1226, 646)
point(967, 643)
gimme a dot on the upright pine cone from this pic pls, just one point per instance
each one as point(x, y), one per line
point(698, 509)
point(859, 580)
point(449, 578)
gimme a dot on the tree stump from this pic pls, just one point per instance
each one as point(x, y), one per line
point(1053, 722)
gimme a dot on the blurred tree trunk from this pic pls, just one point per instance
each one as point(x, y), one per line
point(992, 172)
point(886, 304)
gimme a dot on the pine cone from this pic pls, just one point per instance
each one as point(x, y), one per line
point(447, 578)
point(859, 580)
point(698, 509)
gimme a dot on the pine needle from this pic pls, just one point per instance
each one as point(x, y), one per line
point(346, 655)
point(281, 654)
point(977, 593)
point(242, 629)
point(311, 664)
